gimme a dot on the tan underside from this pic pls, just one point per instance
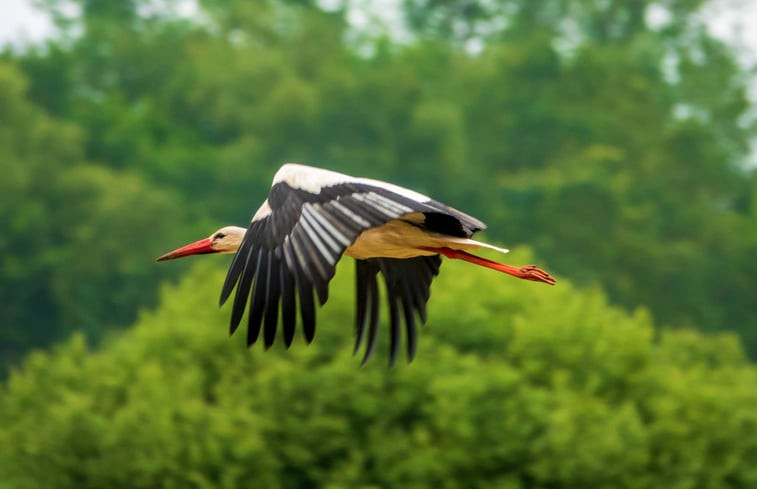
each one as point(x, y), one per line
point(400, 239)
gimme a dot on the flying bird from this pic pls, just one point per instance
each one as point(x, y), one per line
point(310, 219)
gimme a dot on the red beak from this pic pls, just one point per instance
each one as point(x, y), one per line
point(197, 248)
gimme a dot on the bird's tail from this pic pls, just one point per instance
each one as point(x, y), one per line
point(471, 244)
point(527, 272)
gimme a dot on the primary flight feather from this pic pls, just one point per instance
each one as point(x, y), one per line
point(287, 255)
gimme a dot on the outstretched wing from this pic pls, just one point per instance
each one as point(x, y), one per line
point(295, 239)
point(408, 283)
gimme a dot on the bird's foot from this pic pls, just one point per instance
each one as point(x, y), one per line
point(527, 272)
point(535, 274)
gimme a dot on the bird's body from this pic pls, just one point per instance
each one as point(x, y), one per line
point(403, 238)
point(309, 220)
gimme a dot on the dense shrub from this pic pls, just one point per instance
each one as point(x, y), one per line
point(515, 385)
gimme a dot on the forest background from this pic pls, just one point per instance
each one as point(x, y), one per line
point(607, 141)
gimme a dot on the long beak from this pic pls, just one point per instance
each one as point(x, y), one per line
point(197, 248)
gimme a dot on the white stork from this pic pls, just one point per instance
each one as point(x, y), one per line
point(309, 220)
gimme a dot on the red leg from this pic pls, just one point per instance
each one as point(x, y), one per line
point(527, 272)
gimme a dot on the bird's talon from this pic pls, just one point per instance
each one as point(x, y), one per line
point(533, 273)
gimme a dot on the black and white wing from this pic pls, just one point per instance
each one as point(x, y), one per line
point(295, 239)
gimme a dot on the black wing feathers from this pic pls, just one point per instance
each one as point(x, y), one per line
point(248, 265)
point(373, 305)
point(288, 305)
point(445, 224)
point(362, 274)
point(258, 298)
point(273, 294)
point(408, 283)
point(238, 264)
point(394, 324)
point(289, 255)
point(307, 309)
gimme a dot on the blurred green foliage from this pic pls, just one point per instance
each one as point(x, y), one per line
point(525, 386)
point(613, 146)
point(71, 230)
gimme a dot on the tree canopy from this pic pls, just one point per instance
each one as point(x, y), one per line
point(606, 141)
point(613, 145)
point(522, 387)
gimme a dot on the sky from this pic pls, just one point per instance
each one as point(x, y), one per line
point(729, 20)
point(733, 21)
point(20, 22)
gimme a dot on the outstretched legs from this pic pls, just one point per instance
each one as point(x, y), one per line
point(527, 272)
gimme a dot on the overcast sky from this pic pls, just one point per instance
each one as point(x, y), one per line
point(21, 21)
point(731, 20)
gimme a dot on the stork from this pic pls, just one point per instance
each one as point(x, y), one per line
point(314, 216)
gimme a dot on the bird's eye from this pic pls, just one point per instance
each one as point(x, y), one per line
point(219, 236)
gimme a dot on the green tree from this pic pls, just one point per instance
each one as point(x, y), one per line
point(77, 238)
point(524, 386)
point(613, 145)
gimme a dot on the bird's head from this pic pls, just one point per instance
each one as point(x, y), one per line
point(225, 240)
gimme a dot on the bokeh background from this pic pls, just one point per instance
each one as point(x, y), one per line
point(608, 141)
